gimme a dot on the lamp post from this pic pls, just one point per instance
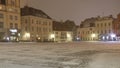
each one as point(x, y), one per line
point(52, 37)
point(27, 36)
point(93, 36)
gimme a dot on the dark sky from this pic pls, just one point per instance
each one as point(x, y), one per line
point(76, 10)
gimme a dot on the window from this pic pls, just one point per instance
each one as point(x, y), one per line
point(32, 28)
point(49, 23)
point(25, 28)
point(56, 32)
point(1, 25)
point(101, 24)
point(63, 35)
point(16, 18)
point(11, 17)
point(101, 32)
point(32, 21)
point(109, 31)
point(37, 29)
point(39, 22)
point(36, 22)
point(40, 29)
point(11, 25)
point(98, 32)
point(1, 15)
point(105, 24)
point(109, 24)
point(12, 3)
point(16, 25)
point(97, 25)
point(49, 30)
point(25, 21)
point(105, 31)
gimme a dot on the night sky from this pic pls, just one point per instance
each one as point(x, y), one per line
point(76, 10)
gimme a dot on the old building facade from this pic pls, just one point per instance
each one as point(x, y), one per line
point(99, 28)
point(10, 23)
point(116, 25)
point(62, 31)
point(86, 29)
point(36, 25)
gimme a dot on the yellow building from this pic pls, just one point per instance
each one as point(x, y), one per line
point(86, 34)
point(36, 25)
point(99, 28)
point(104, 28)
point(10, 24)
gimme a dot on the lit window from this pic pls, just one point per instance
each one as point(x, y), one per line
point(0, 7)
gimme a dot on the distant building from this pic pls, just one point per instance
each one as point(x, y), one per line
point(63, 31)
point(87, 27)
point(116, 26)
point(10, 24)
point(36, 25)
point(99, 28)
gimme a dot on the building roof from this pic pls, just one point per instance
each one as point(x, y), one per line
point(63, 26)
point(90, 22)
point(25, 11)
point(3, 2)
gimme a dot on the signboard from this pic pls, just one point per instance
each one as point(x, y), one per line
point(13, 30)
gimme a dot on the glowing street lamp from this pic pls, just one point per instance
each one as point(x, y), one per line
point(68, 35)
point(52, 36)
point(113, 35)
point(27, 36)
point(93, 35)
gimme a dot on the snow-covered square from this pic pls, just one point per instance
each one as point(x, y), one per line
point(60, 55)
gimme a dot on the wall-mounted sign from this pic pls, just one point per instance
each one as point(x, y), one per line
point(13, 30)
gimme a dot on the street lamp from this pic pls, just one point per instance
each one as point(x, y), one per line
point(113, 35)
point(27, 36)
point(93, 36)
point(68, 35)
point(52, 37)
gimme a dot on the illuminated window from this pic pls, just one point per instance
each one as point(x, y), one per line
point(0, 7)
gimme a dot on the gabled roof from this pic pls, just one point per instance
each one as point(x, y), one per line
point(63, 26)
point(25, 11)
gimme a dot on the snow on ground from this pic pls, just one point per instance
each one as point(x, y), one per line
point(60, 55)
